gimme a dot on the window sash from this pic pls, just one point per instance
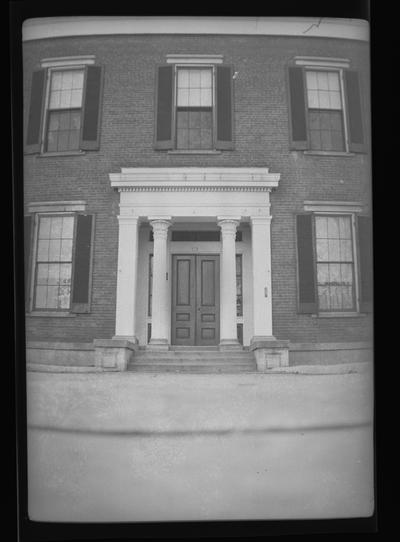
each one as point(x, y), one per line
point(350, 262)
point(208, 144)
point(49, 109)
point(40, 262)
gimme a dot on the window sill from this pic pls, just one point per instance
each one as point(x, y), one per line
point(329, 153)
point(51, 314)
point(194, 152)
point(339, 315)
point(66, 153)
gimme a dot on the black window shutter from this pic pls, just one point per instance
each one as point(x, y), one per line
point(164, 138)
point(298, 109)
point(365, 238)
point(90, 135)
point(27, 254)
point(36, 109)
point(82, 264)
point(224, 107)
point(354, 112)
point(307, 298)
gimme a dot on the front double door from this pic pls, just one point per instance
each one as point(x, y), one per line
point(195, 300)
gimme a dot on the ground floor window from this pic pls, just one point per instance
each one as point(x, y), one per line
point(335, 263)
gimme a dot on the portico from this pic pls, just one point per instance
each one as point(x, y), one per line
point(156, 202)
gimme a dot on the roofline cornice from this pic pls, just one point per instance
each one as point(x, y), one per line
point(55, 27)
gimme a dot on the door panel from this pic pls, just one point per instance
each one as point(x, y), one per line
point(195, 300)
point(183, 300)
point(207, 300)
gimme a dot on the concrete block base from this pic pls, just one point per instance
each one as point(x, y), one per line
point(158, 344)
point(227, 344)
point(270, 353)
point(113, 354)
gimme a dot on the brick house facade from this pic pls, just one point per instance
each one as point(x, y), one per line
point(146, 152)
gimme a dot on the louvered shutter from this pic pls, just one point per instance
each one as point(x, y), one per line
point(92, 105)
point(365, 238)
point(307, 297)
point(354, 112)
point(36, 110)
point(164, 117)
point(81, 282)
point(224, 108)
point(297, 109)
point(27, 255)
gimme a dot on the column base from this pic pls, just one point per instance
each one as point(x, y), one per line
point(269, 352)
point(113, 354)
point(230, 344)
point(158, 344)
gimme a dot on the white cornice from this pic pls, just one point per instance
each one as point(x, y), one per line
point(194, 179)
point(52, 27)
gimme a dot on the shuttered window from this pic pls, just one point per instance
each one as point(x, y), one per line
point(328, 279)
point(64, 113)
point(62, 262)
point(325, 110)
point(194, 108)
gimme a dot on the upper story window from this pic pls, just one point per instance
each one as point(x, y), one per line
point(64, 110)
point(194, 108)
point(326, 112)
point(65, 106)
point(194, 104)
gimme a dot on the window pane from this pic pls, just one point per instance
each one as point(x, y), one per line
point(54, 274)
point(315, 140)
point(334, 252)
point(43, 250)
point(44, 227)
point(56, 227)
point(56, 81)
point(194, 78)
point(67, 80)
point(66, 250)
point(335, 101)
point(76, 98)
point(344, 227)
point(205, 78)
point(42, 273)
point(205, 97)
point(311, 78)
point(65, 99)
point(63, 297)
point(333, 227)
point(182, 138)
point(346, 251)
point(194, 139)
point(194, 119)
point(52, 297)
point(323, 297)
point(67, 227)
point(313, 99)
point(183, 97)
point(54, 250)
point(205, 139)
point(77, 79)
point(183, 79)
point(206, 120)
point(322, 79)
point(333, 80)
point(63, 141)
point(194, 97)
point(183, 119)
point(324, 100)
point(322, 250)
point(41, 295)
point(73, 141)
point(55, 98)
point(321, 227)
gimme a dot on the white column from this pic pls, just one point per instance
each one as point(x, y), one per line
point(125, 322)
point(160, 305)
point(262, 294)
point(228, 327)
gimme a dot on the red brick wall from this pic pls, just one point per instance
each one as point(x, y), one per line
point(262, 140)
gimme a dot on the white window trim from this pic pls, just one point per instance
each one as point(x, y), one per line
point(39, 209)
point(67, 61)
point(319, 61)
point(194, 59)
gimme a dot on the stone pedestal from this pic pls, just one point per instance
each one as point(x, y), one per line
point(113, 354)
point(270, 353)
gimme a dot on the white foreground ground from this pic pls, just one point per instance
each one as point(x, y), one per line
point(142, 447)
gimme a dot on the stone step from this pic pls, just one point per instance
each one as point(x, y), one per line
point(180, 362)
point(194, 354)
point(191, 368)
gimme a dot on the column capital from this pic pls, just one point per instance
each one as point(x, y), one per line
point(160, 226)
point(228, 224)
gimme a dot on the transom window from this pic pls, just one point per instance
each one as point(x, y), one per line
point(325, 110)
point(194, 103)
point(335, 263)
point(54, 262)
point(64, 110)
